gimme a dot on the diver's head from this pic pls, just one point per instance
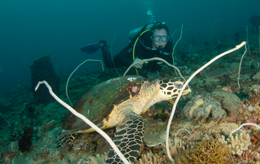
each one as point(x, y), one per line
point(160, 35)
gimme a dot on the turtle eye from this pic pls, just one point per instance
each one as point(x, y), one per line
point(178, 85)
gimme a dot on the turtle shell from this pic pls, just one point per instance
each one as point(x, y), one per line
point(98, 102)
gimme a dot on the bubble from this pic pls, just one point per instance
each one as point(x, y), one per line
point(149, 12)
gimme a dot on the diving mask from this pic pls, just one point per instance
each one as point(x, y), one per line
point(160, 38)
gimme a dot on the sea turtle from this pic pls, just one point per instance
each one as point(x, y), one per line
point(119, 102)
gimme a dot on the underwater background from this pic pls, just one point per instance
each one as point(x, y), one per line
point(224, 96)
point(30, 29)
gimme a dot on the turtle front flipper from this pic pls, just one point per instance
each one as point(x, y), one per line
point(65, 139)
point(128, 138)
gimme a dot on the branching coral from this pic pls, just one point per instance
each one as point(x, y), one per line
point(238, 144)
point(96, 159)
point(151, 158)
point(207, 151)
point(177, 149)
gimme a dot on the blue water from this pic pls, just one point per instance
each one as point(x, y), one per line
point(30, 29)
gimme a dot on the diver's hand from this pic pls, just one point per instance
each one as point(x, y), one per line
point(139, 65)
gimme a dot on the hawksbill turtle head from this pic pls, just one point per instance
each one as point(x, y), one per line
point(163, 89)
point(157, 91)
point(170, 89)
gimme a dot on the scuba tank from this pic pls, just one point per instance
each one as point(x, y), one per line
point(134, 33)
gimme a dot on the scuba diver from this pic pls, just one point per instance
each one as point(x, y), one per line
point(151, 40)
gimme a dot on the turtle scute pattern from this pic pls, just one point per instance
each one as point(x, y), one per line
point(171, 87)
point(128, 139)
point(65, 139)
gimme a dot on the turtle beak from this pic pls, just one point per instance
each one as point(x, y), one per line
point(186, 91)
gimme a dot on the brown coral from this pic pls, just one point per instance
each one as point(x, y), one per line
point(254, 97)
point(208, 151)
point(256, 140)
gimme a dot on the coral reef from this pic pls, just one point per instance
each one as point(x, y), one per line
point(229, 102)
point(256, 76)
point(238, 144)
point(207, 151)
point(215, 73)
point(25, 140)
point(255, 140)
point(5, 104)
point(151, 158)
point(177, 149)
point(96, 159)
point(42, 69)
point(209, 110)
point(201, 107)
point(254, 96)
point(217, 104)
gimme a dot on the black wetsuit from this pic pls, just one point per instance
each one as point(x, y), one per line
point(125, 57)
